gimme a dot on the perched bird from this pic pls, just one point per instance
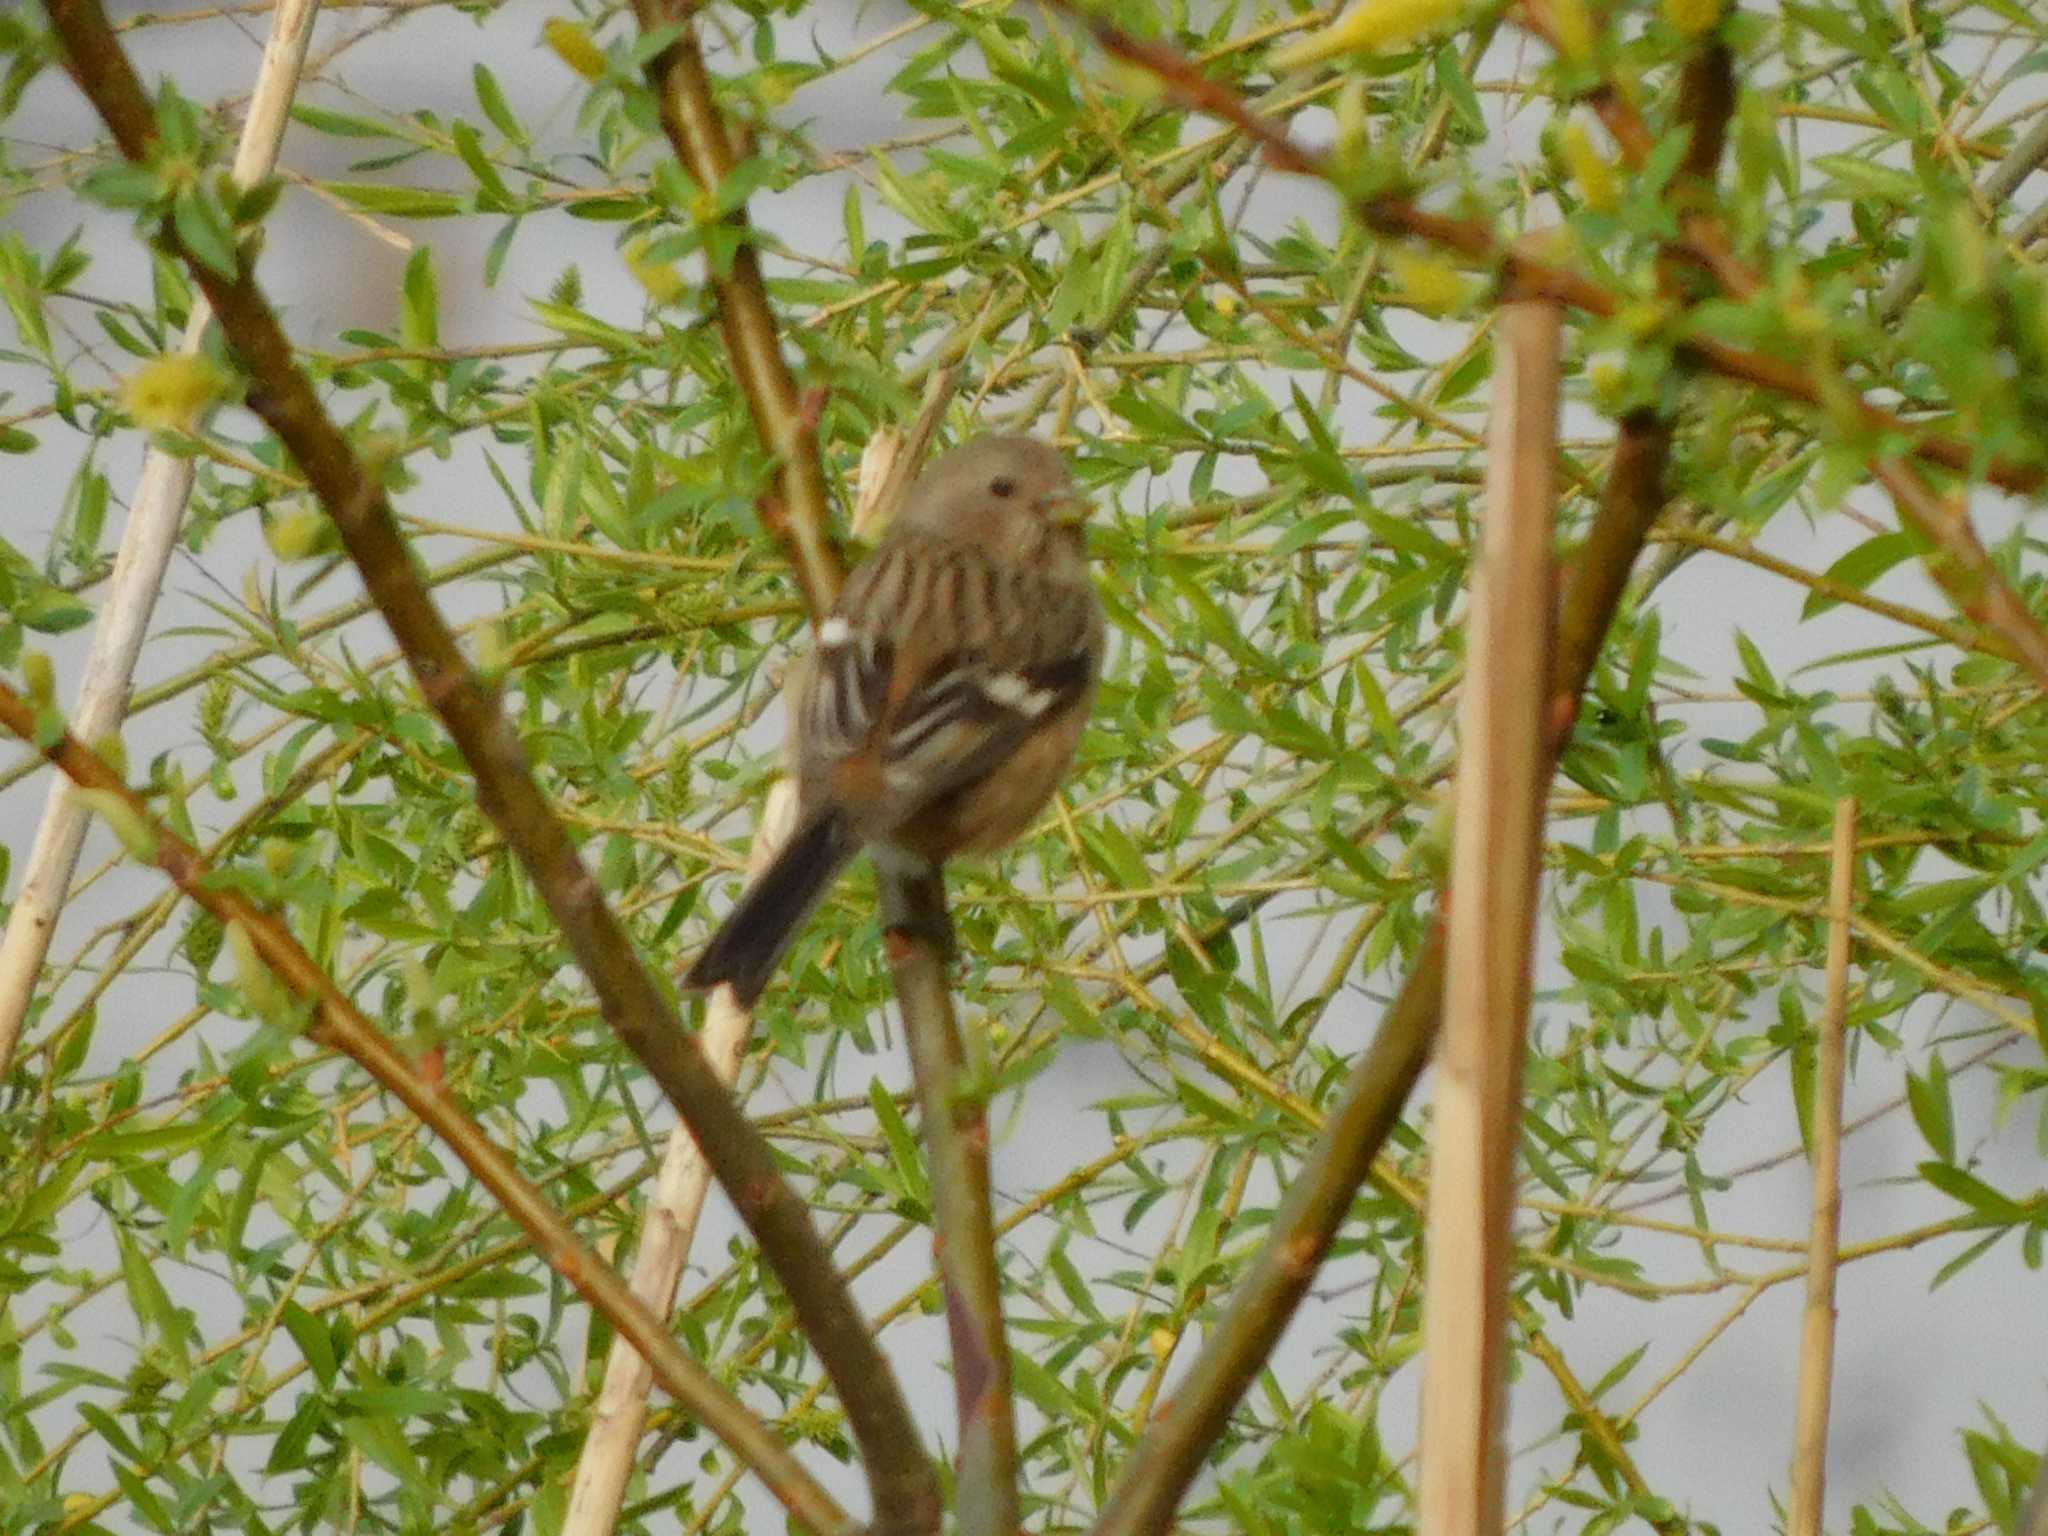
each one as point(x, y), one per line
point(942, 701)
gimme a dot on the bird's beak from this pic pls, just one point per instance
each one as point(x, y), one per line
point(1069, 509)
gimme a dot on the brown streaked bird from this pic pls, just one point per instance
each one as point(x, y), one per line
point(941, 704)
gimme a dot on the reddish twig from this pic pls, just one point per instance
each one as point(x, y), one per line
point(1522, 273)
point(337, 1024)
point(630, 1001)
point(799, 513)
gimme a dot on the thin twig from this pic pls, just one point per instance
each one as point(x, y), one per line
point(632, 1005)
point(154, 515)
point(337, 1024)
point(953, 1113)
point(1999, 183)
point(1522, 273)
point(666, 1233)
point(1502, 777)
point(1159, 1469)
point(800, 513)
point(1961, 566)
point(1817, 1328)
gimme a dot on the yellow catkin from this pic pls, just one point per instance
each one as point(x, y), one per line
point(266, 996)
point(1354, 122)
point(296, 535)
point(1571, 26)
point(574, 46)
point(1693, 17)
point(1135, 86)
point(664, 284)
point(1591, 171)
point(1372, 26)
point(39, 674)
point(1427, 283)
point(170, 393)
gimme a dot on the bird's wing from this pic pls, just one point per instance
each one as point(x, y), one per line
point(934, 711)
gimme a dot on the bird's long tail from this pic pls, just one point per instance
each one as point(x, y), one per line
point(744, 953)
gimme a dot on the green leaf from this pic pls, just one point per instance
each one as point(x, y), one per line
point(419, 316)
point(903, 1152)
point(1860, 567)
point(490, 96)
point(1928, 1099)
point(344, 125)
point(496, 195)
point(203, 231)
point(396, 202)
point(1972, 1191)
point(383, 1441)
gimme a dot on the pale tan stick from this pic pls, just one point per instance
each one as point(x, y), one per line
point(620, 1412)
point(1817, 1331)
point(154, 514)
point(1492, 916)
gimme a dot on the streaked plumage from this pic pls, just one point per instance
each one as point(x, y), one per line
point(945, 695)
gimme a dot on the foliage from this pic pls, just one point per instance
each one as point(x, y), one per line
point(312, 1317)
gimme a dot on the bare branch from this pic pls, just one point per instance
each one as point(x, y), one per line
point(635, 1008)
point(145, 553)
point(337, 1024)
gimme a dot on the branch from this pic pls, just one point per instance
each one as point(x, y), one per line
point(1522, 273)
point(1961, 566)
point(338, 1025)
point(636, 1009)
point(1503, 776)
point(1817, 1328)
point(158, 507)
point(1159, 1469)
point(800, 515)
point(618, 1417)
point(666, 1232)
point(953, 1113)
point(1999, 183)
point(2033, 1517)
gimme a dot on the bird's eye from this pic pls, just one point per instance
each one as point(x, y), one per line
point(1002, 486)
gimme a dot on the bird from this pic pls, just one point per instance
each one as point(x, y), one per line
point(941, 703)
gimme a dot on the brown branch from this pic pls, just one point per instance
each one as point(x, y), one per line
point(1962, 567)
point(2033, 1516)
point(338, 1025)
point(1159, 1469)
point(668, 1226)
point(953, 1113)
point(1958, 562)
point(1490, 931)
point(1521, 272)
point(800, 513)
point(157, 509)
point(1817, 1327)
point(631, 1003)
